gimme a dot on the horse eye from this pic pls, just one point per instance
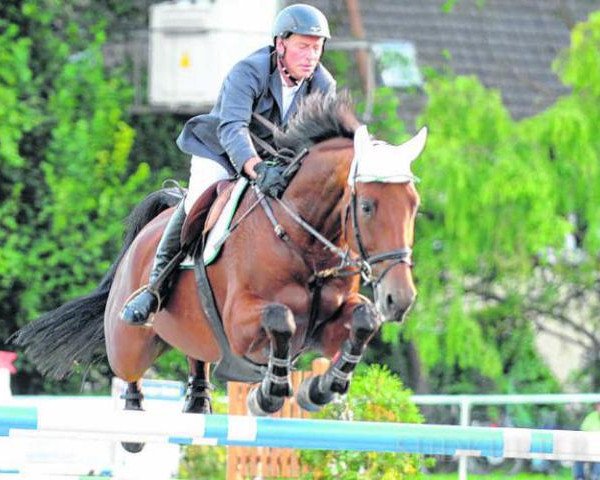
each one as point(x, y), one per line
point(367, 207)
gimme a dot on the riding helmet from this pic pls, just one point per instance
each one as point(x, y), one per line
point(301, 19)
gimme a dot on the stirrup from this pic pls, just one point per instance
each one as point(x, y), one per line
point(144, 288)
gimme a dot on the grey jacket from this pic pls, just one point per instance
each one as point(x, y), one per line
point(252, 85)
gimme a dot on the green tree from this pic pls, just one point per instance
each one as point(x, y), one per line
point(500, 199)
point(66, 181)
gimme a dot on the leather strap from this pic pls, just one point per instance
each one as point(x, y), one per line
point(266, 123)
point(262, 144)
point(259, 141)
point(230, 367)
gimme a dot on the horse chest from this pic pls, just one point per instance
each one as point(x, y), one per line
point(299, 298)
point(332, 297)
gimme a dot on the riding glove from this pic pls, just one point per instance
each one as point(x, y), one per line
point(270, 179)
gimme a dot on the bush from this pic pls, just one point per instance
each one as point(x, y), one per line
point(375, 395)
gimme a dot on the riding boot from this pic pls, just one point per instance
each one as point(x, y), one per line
point(148, 301)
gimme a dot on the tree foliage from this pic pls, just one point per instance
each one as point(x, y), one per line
point(66, 184)
point(500, 199)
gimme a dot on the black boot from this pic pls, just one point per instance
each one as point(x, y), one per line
point(139, 308)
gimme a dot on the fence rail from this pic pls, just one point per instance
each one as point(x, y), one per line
point(186, 429)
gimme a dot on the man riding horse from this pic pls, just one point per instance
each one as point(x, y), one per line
point(270, 82)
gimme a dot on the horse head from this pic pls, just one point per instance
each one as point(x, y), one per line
point(383, 207)
point(362, 188)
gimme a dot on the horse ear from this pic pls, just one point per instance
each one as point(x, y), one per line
point(362, 141)
point(362, 144)
point(412, 148)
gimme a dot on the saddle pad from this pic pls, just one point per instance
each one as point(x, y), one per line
point(215, 238)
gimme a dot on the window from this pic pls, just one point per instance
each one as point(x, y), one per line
point(397, 64)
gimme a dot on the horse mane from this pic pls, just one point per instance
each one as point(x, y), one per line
point(320, 116)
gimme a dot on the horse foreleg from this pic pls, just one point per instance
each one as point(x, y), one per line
point(197, 397)
point(133, 401)
point(317, 391)
point(133, 396)
point(278, 322)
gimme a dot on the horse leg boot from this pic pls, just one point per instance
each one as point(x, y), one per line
point(197, 397)
point(148, 301)
point(133, 401)
point(317, 391)
point(268, 397)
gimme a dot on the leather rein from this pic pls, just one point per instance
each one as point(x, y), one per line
point(362, 265)
point(349, 265)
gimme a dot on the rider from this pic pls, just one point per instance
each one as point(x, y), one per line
point(270, 81)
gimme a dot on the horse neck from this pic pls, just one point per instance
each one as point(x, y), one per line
point(319, 190)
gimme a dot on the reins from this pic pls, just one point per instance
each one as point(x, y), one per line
point(362, 265)
point(348, 266)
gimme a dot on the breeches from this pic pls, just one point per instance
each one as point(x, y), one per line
point(203, 173)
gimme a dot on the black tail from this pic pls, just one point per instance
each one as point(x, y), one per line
point(74, 332)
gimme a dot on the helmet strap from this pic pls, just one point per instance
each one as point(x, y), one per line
point(282, 68)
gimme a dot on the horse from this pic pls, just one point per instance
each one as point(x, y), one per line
point(286, 280)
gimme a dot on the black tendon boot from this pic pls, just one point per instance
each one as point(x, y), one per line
point(138, 309)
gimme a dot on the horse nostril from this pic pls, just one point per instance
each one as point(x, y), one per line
point(389, 301)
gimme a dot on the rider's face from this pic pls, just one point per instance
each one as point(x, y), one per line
point(302, 54)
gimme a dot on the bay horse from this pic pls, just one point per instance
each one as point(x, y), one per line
point(348, 212)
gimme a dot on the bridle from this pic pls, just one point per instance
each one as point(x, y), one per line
point(348, 266)
point(398, 256)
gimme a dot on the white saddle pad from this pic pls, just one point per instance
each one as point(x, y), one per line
point(220, 230)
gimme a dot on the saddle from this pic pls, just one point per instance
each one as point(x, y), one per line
point(206, 211)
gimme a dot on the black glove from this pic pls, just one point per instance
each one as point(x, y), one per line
point(270, 179)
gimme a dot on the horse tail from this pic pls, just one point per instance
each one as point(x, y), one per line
point(73, 334)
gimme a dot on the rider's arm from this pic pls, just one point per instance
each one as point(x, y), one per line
point(240, 89)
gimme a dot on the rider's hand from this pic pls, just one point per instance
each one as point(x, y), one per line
point(271, 179)
point(249, 166)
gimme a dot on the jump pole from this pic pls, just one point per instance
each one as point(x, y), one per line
point(188, 429)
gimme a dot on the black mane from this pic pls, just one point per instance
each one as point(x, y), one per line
point(320, 117)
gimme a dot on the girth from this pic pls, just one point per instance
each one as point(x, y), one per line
point(230, 367)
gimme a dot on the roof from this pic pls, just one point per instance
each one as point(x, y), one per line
point(508, 44)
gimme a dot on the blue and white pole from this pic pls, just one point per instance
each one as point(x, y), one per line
point(186, 429)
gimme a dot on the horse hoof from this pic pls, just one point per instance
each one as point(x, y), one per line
point(197, 405)
point(133, 447)
point(309, 398)
point(260, 406)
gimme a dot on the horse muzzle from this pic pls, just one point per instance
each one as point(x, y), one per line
point(394, 303)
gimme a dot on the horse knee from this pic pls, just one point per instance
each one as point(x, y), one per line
point(278, 320)
point(365, 322)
